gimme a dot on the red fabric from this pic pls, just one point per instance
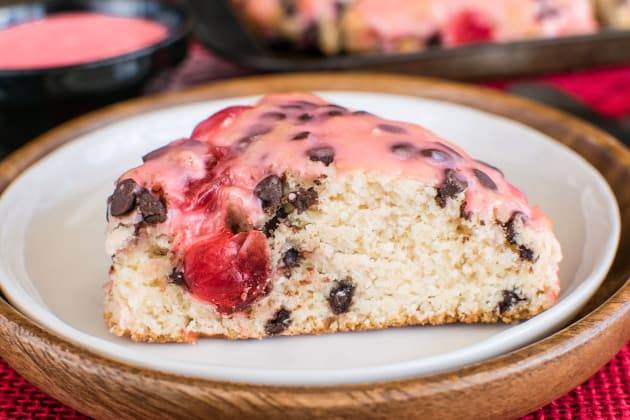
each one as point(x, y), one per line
point(604, 396)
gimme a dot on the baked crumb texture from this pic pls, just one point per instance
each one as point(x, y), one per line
point(353, 251)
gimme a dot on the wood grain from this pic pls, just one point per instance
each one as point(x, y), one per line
point(504, 387)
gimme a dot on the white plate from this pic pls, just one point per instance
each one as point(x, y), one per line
point(53, 265)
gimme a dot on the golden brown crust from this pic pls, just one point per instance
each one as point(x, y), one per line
point(335, 325)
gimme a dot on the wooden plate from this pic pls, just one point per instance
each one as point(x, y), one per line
point(222, 32)
point(506, 386)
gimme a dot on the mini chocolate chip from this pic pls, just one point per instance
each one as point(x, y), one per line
point(269, 190)
point(307, 104)
point(484, 179)
point(303, 199)
point(177, 277)
point(434, 40)
point(404, 150)
point(324, 154)
point(272, 224)
point(259, 130)
point(340, 297)
point(151, 207)
point(510, 298)
point(391, 128)
point(335, 113)
point(154, 154)
point(288, 7)
point(546, 11)
point(510, 228)
point(525, 253)
point(280, 322)
point(291, 258)
point(124, 198)
point(450, 149)
point(490, 166)
point(292, 106)
point(301, 135)
point(273, 115)
point(436, 155)
point(453, 184)
point(305, 117)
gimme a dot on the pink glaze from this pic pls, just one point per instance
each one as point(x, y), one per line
point(203, 180)
point(74, 38)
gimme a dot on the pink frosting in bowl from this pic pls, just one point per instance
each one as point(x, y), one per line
point(74, 38)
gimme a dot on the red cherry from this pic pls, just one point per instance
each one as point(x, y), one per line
point(229, 271)
point(468, 27)
point(206, 129)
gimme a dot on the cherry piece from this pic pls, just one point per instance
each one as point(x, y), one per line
point(208, 127)
point(468, 27)
point(229, 271)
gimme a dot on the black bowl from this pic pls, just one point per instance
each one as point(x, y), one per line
point(34, 100)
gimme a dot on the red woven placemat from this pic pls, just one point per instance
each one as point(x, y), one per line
point(604, 396)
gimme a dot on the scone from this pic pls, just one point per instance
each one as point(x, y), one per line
point(359, 26)
point(297, 216)
point(614, 13)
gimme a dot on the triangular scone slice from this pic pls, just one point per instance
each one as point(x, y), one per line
point(296, 216)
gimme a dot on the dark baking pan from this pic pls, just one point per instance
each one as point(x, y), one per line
point(221, 31)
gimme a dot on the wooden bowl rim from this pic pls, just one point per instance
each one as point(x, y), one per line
point(615, 310)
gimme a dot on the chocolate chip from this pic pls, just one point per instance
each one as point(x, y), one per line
point(305, 117)
point(288, 7)
point(360, 112)
point(303, 199)
point(269, 190)
point(335, 113)
point(301, 135)
point(272, 224)
point(177, 277)
point(509, 227)
point(151, 207)
point(436, 155)
point(307, 104)
point(510, 298)
point(292, 106)
point(259, 130)
point(273, 115)
point(490, 166)
point(484, 179)
point(124, 197)
point(156, 153)
point(291, 258)
point(525, 253)
point(340, 7)
point(340, 297)
point(450, 149)
point(280, 322)
point(404, 150)
point(546, 11)
point(391, 128)
point(453, 184)
point(434, 40)
point(324, 154)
